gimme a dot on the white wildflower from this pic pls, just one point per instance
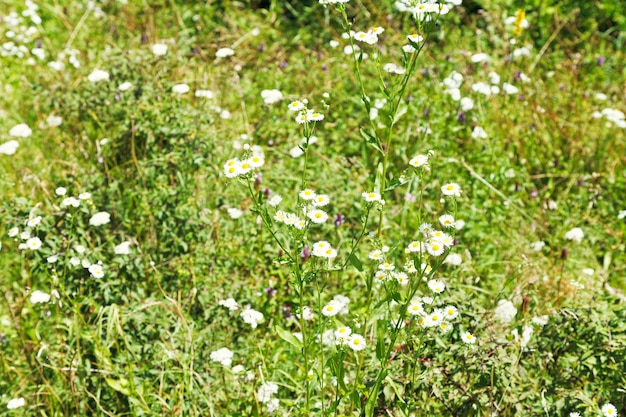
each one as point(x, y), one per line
point(576, 234)
point(39, 297)
point(98, 75)
point(230, 304)
point(20, 131)
point(505, 311)
point(223, 356)
point(100, 218)
point(122, 249)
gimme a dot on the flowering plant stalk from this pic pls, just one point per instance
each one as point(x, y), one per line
point(402, 294)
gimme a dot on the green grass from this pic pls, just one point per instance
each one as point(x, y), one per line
point(139, 340)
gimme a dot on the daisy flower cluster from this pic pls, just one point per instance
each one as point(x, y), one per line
point(440, 317)
point(386, 271)
point(305, 115)
point(435, 242)
point(323, 249)
point(248, 314)
point(311, 210)
point(21, 33)
point(429, 310)
point(421, 161)
point(343, 336)
point(240, 168)
point(265, 395)
point(452, 87)
point(19, 131)
point(27, 234)
point(75, 254)
point(69, 54)
point(614, 116)
point(337, 306)
point(423, 8)
point(370, 37)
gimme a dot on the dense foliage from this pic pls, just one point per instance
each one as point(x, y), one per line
point(294, 208)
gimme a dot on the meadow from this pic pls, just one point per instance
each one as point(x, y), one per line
point(312, 208)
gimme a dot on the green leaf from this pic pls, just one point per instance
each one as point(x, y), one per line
point(288, 337)
point(370, 140)
point(356, 262)
point(119, 385)
point(396, 182)
point(335, 363)
point(399, 113)
point(380, 345)
point(366, 101)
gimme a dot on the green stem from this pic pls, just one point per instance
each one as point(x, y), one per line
point(392, 121)
point(373, 393)
point(369, 284)
point(305, 340)
point(356, 244)
point(266, 222)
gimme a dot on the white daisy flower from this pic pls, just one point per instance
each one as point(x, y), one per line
point(317, 216)
point(307, 194)
point(609, 410)
point(419, 161)
point(96, 271)
point(357, 342)
point(296, 105)
point(450, 312)
point(451, 189)
point(468, 338)
point(435, 248)
point(16, 403)
point(436, 286)
point(122, 249)
point(371, 197)
point(274, 200)
point(332, 308)
point(34, 243)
